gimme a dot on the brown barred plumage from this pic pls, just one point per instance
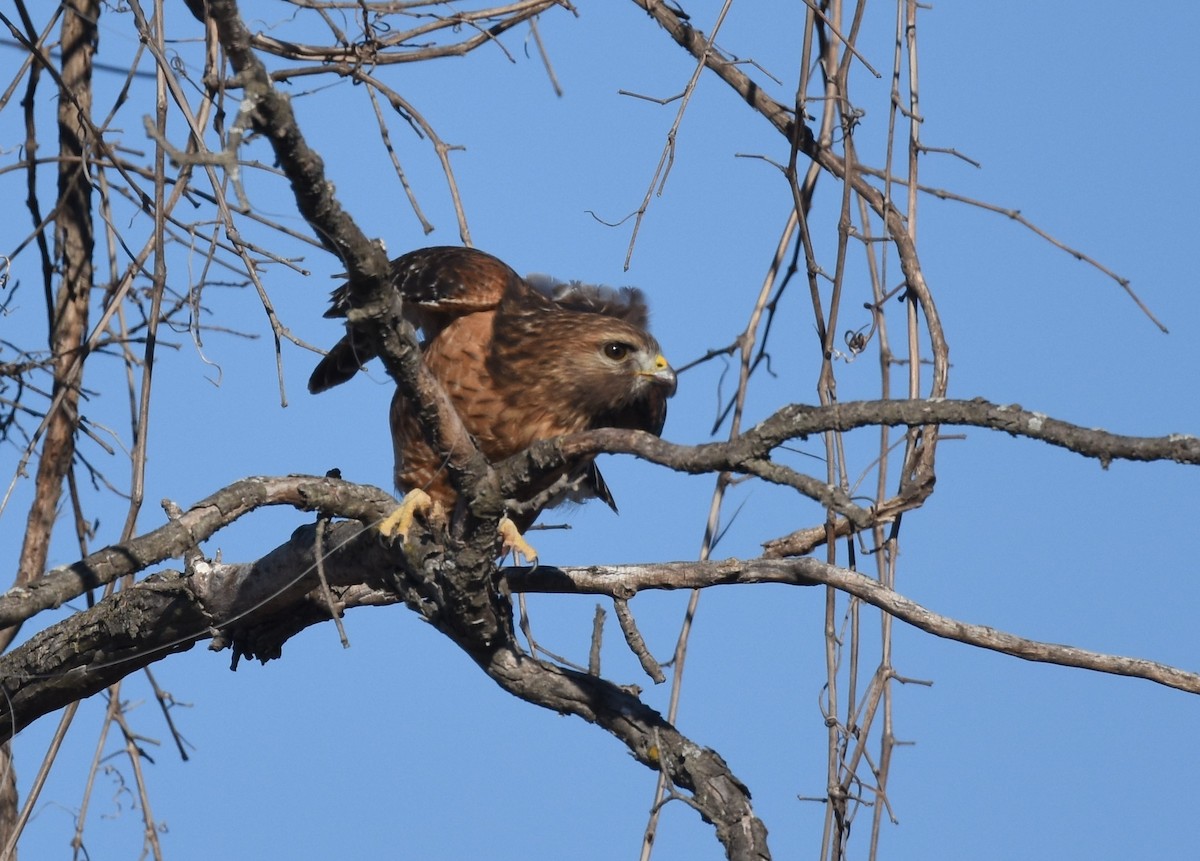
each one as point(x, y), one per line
point(521, 360)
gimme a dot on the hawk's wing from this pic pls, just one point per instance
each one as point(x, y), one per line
point(437, 285)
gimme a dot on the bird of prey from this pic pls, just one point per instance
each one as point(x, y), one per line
point(521, 360)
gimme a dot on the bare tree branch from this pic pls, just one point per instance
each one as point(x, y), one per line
point(255, 607)
point(339, 498)
point(750, 453)
point(625, 581)
point(449, 576)
point(186, 531)
point(377, 306)
point(74, 240)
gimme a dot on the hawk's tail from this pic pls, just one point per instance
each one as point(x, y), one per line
point(340, 364)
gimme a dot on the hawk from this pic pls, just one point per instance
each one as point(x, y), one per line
point(521, 360)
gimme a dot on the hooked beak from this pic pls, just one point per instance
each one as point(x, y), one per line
point(660, 373)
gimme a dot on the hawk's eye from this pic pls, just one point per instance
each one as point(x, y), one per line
point(616, 351)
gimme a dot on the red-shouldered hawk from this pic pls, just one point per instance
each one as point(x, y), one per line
point(521, 361)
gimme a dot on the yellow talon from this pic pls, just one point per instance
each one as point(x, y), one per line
point(514, 542)
point(399, 522)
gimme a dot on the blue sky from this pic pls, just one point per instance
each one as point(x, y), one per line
point(400, 747)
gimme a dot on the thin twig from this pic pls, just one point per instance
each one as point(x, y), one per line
point(597, 641)
point(637, 645)
point(335, 607)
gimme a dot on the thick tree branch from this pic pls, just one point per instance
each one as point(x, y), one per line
point(270, 112)
point(327, 495)
point(747, 453)
point(74, 240)
point(454, 588)
point(247, 605)
point(376, 310)
point(338, 498)
point(255, 607)
point(625, 581)
point(717, 794)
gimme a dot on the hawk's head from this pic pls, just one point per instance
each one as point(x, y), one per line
point(585, 350)
point(621, 373)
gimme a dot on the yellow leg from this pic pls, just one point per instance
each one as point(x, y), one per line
point(397, 524)
point(515, 543)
